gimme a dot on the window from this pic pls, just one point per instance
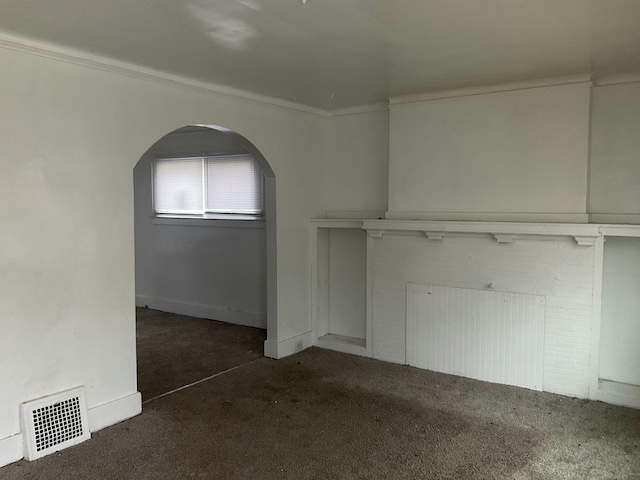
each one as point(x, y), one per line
point(208, 186)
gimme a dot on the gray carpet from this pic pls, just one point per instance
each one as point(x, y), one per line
point(326, 415)
point(176, 350)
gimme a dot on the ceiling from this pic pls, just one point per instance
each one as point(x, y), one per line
point(334, 54)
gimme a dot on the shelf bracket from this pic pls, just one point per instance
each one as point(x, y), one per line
point(585, 240)
point(504, 237)
point(434, 235)
point(375, 233)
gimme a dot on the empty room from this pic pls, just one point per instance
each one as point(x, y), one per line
point(291, 239)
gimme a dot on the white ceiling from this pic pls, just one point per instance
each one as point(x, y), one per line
point(334, 54)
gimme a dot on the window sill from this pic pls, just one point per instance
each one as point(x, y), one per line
point(220, 221)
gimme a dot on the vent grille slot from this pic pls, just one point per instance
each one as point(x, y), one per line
point(55, 422)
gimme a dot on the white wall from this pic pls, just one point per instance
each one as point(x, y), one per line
point(358, 162)
point(615, 153)
point(70, 138)
point(620, 323)
point(523, 151)
point(212, 269)
point(348, 282)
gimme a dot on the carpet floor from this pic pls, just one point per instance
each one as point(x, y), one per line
point(176, 350)
point(326, 415)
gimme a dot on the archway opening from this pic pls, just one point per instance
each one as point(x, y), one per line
point(214, 262)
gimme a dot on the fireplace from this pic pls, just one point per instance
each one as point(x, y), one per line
point(512, 303)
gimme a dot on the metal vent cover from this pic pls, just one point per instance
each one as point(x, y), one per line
point(54, 422)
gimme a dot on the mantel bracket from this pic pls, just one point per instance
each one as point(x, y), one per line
point(504, 237)
point(434, 235)
point(585, 240)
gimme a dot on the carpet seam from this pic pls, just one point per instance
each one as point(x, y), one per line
point(200, 381)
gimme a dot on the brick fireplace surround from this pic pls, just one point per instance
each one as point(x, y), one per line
point(561, 265)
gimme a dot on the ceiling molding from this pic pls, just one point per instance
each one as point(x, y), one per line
point(110, 65)
point(505, 87)
point(617, 79)
point(369, 108)
point(105, 64)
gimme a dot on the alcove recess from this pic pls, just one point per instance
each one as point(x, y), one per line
point(339, 300)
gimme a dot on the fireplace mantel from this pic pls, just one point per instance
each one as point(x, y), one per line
point(584, 234)
point(560, 264)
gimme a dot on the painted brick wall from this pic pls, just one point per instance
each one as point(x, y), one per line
point(554, 267)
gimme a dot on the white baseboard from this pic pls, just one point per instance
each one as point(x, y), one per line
point(284, 348)
point(11, 449)
point(213, 312)
point(621, 394)
point(491, 217)
point(331, 342)
point(114, 412)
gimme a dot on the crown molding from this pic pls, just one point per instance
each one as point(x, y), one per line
point(582, 79)
point(110, 65)
point(118, 67)
point(359, 109)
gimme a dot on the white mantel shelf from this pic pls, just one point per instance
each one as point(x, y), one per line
point(504, 232)
point(336, 223)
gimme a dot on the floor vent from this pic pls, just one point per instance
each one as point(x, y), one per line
point(54, 422)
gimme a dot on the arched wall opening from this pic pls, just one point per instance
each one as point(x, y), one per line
point(242, 287)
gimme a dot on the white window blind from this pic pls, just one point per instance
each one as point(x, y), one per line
point(229, 184)
point(234, 185)
point(178, 185)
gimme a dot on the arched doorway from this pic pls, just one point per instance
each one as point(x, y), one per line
point(229, 275)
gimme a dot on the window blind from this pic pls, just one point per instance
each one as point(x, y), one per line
point(231, 184)
point(178, 185)
point(234, 185)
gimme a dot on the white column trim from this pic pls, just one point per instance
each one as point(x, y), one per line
point(596, 315)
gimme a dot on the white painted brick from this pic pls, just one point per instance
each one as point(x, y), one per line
point(567, 377)
point(559, 368)
point(558, 269)
point(570, 303)
point(586, 336)
point(579, 391)
point(571, 347)
point(583, 316)
point(567, 356)
point(561, 329)
point(561, 315)
point(565, 382)
point(550, 291)
point(552, 348)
